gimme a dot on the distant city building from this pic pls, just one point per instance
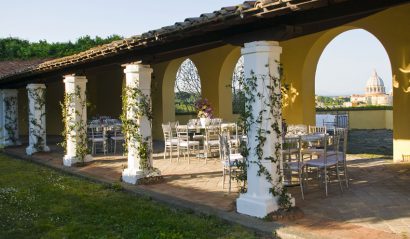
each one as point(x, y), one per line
point(375, 94)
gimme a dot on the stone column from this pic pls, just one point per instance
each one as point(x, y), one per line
point(37, 118)
point(9, 134)
point(76, 120)
point(138, 78)
point(261, 66)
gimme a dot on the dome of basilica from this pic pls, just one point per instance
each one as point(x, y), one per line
point(375, 85)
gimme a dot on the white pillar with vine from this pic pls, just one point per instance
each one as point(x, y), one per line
point(75, 120)
point(265, 192)
point(37, 118)
point(9, 134)
point(136, 120)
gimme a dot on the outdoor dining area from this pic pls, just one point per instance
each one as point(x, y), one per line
point(310, 153)
point(105, 135)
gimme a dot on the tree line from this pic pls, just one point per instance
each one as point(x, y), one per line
point(12, 48)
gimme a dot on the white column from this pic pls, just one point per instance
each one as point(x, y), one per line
point(37, 118)
point(76, 111)
point(9, 134)
point(261, 64)
point(138, 76)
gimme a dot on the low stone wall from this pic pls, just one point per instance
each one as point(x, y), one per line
point(371, 119)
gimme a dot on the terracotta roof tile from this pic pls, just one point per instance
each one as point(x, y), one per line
point(15, 66)
point(227, 15)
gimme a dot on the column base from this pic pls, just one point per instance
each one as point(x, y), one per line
point(30, 150)
point(256, 206)
point(131, 176)
point(11, 143)
point(70, 160)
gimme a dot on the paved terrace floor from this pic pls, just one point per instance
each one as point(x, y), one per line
point(377, 204)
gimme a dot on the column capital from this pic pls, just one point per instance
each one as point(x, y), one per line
point(261, 46)
point(9, 92)
point(75, 79)
point(137, 68)
point(36, 86)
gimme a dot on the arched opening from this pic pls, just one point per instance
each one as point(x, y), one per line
point(187, 88)
point(353, 88)
point(238, 98)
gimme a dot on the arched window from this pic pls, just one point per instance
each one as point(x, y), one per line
point(346, 64)
point(238, 97)
point(187, 88)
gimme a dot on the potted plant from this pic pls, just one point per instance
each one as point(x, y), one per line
point(204, 111)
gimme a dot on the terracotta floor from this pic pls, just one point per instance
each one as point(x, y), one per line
point(377, 204)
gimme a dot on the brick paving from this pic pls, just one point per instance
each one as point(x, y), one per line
point(377, 204)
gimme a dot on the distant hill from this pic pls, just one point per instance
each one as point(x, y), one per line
point(17, 49)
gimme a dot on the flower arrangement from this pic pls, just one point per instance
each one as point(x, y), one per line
point(203, 108)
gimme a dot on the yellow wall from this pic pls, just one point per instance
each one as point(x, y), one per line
point(23, 111)
point(215, 69)
point(371, 119)
point(300, 57)
point(104, 89)
point(103, 92)
point(54, 95)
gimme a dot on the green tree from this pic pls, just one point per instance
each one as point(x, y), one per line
point(17, 49)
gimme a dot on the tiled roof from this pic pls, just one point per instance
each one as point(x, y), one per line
point(14, 66)
point(220, 17)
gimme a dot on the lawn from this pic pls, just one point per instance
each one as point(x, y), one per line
point(37, 202)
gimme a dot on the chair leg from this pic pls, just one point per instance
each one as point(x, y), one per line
point(223, 176)
point(189, 155)
point(338, 177)
point(230, 180)
point(115, 146)
point(345, 174)
point(325, 178)
point(165, 151)
point(301, 182)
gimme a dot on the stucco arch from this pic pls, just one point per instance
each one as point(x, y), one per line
point(168, 84)
point(225, 79)
point(300, 65)
point(301, 55)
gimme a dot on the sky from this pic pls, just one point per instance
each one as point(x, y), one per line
point(347, 63)
point(343, 69)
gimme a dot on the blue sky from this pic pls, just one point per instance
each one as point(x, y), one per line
point(344, 67)
point(348, 61)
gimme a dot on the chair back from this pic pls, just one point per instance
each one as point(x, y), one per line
point(97, 132)
point(317, 129)
point(174, 126)
point(193, 122)
point(331, 146)
point(291, 152)
point(212, 132)
point(225, 149)
point(166, 129)
point(296, 129)
point(343, 134)
point(216, 121)
point(182, 133)
point(117, 130)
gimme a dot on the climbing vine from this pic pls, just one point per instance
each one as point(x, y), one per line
point(75, 129)
point(36, 129)
point(138, 104)
point(270, 111)
point(10, 124)
point(1, 140)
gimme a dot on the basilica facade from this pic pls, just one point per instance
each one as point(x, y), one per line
point(375, 94)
